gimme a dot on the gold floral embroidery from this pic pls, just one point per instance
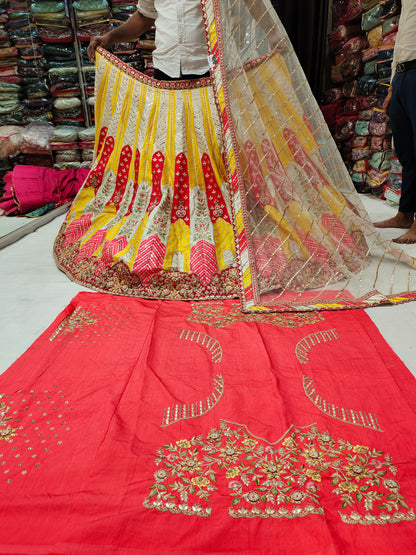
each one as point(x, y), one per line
point(278, 480)
point(211, 344)
point(6, 431)
point(175, 413)
point(119, 280)
point(218, 315)
point(349, 416)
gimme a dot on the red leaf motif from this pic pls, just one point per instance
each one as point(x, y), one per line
point(77, 229)
point(337, 232)
point(91, 245)
point(149, 259)
point(111, 248)
point(204, 261)
point(270, 258)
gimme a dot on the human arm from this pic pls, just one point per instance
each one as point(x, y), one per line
point(129, 31)
point(268, 21)
point(387, 100)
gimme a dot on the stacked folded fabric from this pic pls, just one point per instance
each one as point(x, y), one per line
point(92, 17)
point(129, 53)
point(29, 74)
point(122, 10)
point(138, 54)
point(31, 66)
point(36, 139)
point(86, 144)
point(146, 45)
point(51, 20)
point(10, 89)
point(344, 11)
point(64, 86)
point(362, 45)
point(10, 141)
point(65, 146)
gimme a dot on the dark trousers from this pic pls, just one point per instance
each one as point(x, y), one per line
point(403, 124)
point(161, 76)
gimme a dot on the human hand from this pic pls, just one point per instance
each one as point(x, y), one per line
point(386, 103)
point(100, 40)
point(276, 41)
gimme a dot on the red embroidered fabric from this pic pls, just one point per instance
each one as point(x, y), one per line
point(135, 426)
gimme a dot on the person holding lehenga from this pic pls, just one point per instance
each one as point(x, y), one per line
point(217, 178)
point(401, 107)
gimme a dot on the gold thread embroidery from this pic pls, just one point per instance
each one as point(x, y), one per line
point(278, 480)
point(6, 431)
point(88, 325)
point(178, 412)
point(349, 416)
point(39, 419)
point(304, 345)
point(218, 315)
point(356, 518)
point(211, 344)
point(77, 321)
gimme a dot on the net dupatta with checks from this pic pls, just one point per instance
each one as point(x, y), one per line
point(303, 238)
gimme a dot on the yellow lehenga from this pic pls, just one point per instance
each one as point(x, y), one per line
point(153, 218)
point(229, 186)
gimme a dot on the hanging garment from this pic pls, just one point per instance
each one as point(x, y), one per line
point(228, 186)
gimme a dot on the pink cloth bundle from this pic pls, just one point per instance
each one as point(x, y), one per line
point(31, 187)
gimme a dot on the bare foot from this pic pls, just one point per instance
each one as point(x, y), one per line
point(407, 238)
point(402, 220)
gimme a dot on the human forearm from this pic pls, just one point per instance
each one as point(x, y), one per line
point(268, 21)
point(265, 17)
point(130, 30)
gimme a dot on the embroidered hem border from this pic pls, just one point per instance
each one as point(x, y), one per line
point(167, 285)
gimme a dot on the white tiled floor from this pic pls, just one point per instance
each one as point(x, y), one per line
point(33, 292)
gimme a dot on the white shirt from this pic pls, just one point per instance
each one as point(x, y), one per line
point(405, 46)
point(180, 36)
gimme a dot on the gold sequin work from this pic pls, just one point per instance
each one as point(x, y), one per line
point(212, 345)
point(33, 425)
point(88, 325)
point(290, 478)
point(349, 416)
point(6, 430)
point(178, 412)
point(221, 315)
point(304, 345)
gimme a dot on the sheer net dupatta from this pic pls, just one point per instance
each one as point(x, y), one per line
point(303, 238)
